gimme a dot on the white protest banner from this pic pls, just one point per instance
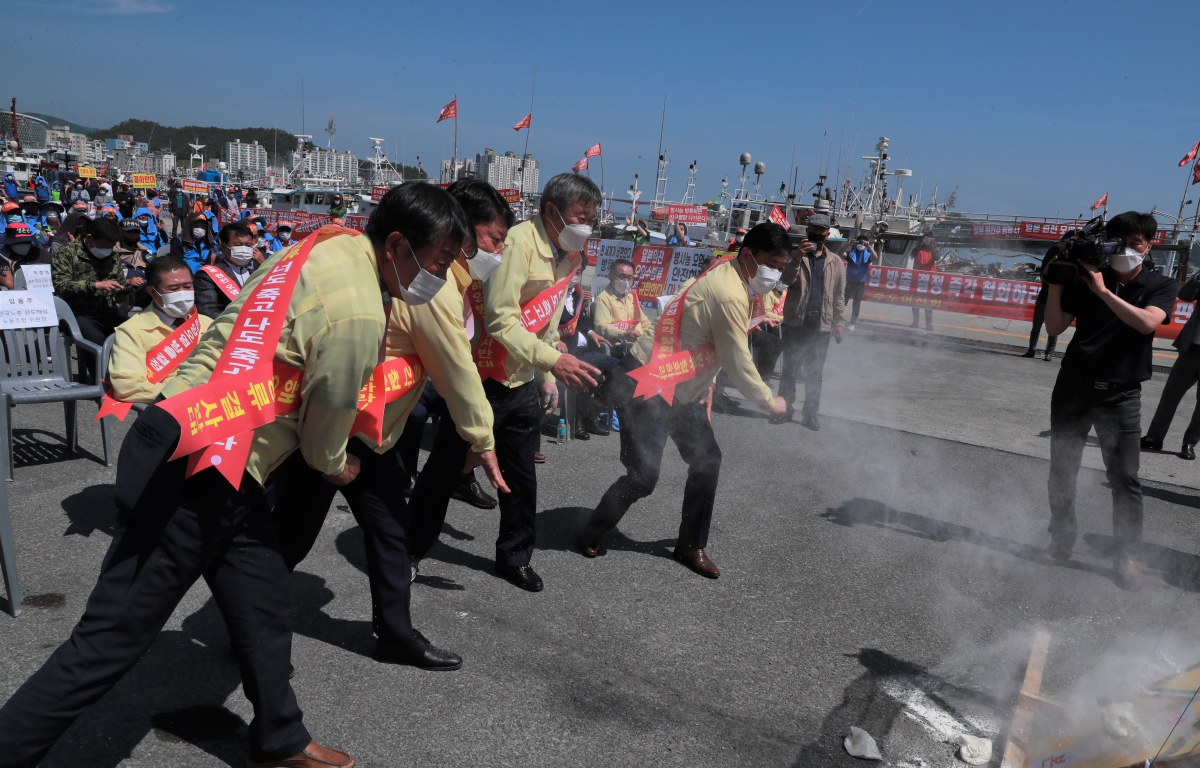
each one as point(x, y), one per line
point(686, 263)
point(37, 277)
point(27, 309)
point(603, 253)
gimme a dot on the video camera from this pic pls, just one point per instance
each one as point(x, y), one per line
point(1081, 246)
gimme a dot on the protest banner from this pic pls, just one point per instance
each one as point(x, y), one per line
point(194, 187)
point(143, 180)
point(377, 193)
point(27, 309)
point(87, 172)
point(37, 277)
point(688, 214)
point(511, 196)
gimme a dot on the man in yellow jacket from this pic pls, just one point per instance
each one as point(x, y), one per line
point(326, 324)
point(519, 355)
point(619, 317)
point(717, 311)
point(425, 337)
point(169, 283)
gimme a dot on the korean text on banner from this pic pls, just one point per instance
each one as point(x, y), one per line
point(971, 294)
point(688, 214)
point(27, 309)
point(686, 263)
point(602, 253)
point(650, 264)
point(995, 231)
point(510, 196)
point(377, 193)
point(37, 277)
point(779, 217)
point(144, 180)
point(87, 172)
point(193, 187)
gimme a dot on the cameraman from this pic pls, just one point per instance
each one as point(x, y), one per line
point(1116, 310)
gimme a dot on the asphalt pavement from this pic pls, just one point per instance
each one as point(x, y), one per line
point(883, 572)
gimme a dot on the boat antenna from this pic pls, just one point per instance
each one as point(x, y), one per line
point(302, 131)
point(837, 191)
point(792, 167)
point(825, 133)
point(16, 133)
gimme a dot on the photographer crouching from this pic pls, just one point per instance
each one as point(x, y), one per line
point(1109, 289)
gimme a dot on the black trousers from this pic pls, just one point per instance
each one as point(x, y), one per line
point(1039, 317)
point(1184, 375)
point(804, 350)
point(768, 345)
point(517, 415)
point(170, 532)
point(1075, 407)
point(95, 328)
point(917, 318)
point(645, 427)
point(376, 498)
point(438, 478)
point(854, 293)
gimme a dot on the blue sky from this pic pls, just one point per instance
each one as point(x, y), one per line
point(1026, 107)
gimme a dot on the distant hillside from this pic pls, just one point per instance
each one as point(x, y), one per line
point(75, 127)
point(212, 137)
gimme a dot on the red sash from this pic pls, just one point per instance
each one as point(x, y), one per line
point(247, 388)
point(778, 308)
point(390, 381)
point(567, 329)
point(227, 286)
point(161, 362)
point(536, 314)
point(629, 325)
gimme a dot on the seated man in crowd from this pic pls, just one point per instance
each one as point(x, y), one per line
point(17, 248)
point(618, 314)
point(87, 276)
point(134, 255)
point(169, 284)
point(218, 284)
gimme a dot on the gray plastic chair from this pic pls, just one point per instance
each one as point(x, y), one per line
point(37, 369)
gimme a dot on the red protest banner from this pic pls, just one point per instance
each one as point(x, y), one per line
point(650, 263)
point(688, 214)
point(1043, 230)
point(779, 217)
point(510, 195)
point(995, 231)
point(968, 294)
point(193, 187)
point(377, 193)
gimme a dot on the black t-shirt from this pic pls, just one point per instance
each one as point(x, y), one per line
point(1104, 348)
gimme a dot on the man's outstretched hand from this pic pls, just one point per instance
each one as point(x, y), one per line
point(576, 374)
point(491, 468)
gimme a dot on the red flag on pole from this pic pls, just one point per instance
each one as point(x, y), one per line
point(1190, 156)
point(524, 122)
point(1196, 175)
point(580, 166)
point(592, 151)
point(449, 111)
point(1102, 202)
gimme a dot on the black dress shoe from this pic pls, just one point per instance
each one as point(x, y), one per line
point(470, 491)
point(595, 427)
point(1149, 444)
point(581, 433)
point(810, 421)
point(1030, 353)
point(1188, 453)
point(416, 651)
point(521, 575)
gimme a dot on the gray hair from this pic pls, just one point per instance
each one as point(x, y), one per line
point(567, 188)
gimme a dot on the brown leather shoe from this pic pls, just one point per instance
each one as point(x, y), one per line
point(1128, 574)
point(313, 756)
point(539, 458)
point(697, 561)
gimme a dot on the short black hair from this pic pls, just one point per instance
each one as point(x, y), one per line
point(767, 237)
point(617, 263)
point(234, 228)
point(162, 264)
point(104, 229)
point(1132, 222)
point(481, 202)
point(423, 213)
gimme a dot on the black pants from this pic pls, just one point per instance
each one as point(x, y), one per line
point(804, 350)
point(376, 498)
point(170, 532)
point(768, 345)
point(645, 427)
point(177, 222)
point(439, 477)
point(517, 416)
point(1075, 407)
point(1184, 375)
point(854, 293)
point(95, 328)
point(1039, 317)
point(917, 318)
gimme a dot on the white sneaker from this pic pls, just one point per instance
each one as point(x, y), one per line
point(850, 327)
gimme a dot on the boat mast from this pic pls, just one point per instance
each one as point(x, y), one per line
point(660, 182)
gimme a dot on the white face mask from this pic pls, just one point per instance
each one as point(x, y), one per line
point(573, 237)
point(765, 280)
point(620, 287)
point(178, 304)
point(283, 237)
point(483, 264)
point(240, 255)
point(1126, 261)
point(423, 287)
point(199, 233)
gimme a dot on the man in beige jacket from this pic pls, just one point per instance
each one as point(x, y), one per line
point(815, 309)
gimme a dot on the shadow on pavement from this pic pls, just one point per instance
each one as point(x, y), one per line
point(880, 515)
point(1172, 497)
point(91, 510)
point(1179, 569)
point(559, 529)
point(352, 547)
point(309, 596)
point(29, 450)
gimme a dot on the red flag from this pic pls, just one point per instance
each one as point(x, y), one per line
point(1196, 175)
point(449, 111)
point(580, 166)
point(524, 122)
point(779, 217)
point(1101, 203)
point(1190, 156)
point(592, 151)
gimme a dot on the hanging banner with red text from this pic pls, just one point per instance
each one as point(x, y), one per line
point(974, 295)
point(688, 214)
point(377, 193)
point(193, 187)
